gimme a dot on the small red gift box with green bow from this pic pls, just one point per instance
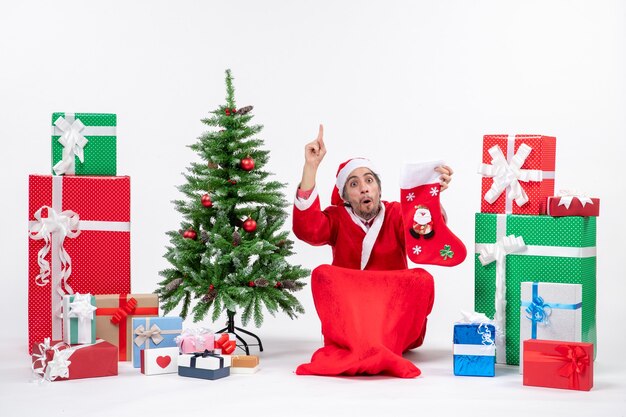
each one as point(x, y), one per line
point(558, 364)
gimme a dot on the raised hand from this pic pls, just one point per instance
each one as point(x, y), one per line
point(315, 151)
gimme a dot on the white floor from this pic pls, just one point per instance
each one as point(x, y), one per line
point(276, 391)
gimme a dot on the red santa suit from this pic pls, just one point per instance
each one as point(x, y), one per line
point(368, 317)
point(354, 246)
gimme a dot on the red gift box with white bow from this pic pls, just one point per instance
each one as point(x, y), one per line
point(572, 203)
point(79, 242)
point(558, 364)
point(518, 173)
point(58, 361)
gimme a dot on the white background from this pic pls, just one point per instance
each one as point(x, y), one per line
point(396, 81)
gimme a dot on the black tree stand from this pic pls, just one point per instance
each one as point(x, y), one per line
point(230, 328)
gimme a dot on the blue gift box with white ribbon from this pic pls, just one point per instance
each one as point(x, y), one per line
point(154, 332)
point(550, 311)
point(474, 349)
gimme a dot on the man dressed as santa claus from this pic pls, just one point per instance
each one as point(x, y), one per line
point(367, 234)
point(363, 231)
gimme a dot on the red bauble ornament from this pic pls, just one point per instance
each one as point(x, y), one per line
point(233, 182)
point(251, 284)
point(227, 111)
point(249, 225)
point(211, 287)
point(278, 285)
point(206, 201)
point(190, 234)
point(247, 163)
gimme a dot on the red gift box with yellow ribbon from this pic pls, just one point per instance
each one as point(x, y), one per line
point(558, 364)
point(79, 242)
point(114, 316)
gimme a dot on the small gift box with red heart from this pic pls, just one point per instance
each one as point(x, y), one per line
point(558, 364)
point(225, 343)
point(572, 203)
point(195, 340)
point(159, 361)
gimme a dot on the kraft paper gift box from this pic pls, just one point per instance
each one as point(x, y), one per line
point(550, 312)
point(518, 173)
point(79, 242)
point(114, 318)
point(195, 340)
point(154, 332)
point(244, 364)
point(558, 364)
point(159, 361)
point(474, 349)
point(571, 204)
point(79, 319)
point(58, 361)
point(204, 365)
point(511, 249)
point(84, 144)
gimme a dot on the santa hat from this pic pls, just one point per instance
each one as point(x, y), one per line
point(343, 172)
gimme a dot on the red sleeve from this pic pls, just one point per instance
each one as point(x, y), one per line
point(312, 225)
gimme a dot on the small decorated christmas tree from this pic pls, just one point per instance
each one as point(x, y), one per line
point(230, 253)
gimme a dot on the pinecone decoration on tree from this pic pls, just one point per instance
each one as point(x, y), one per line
point(236, 238)
point(261, 282)
point(173, 284)
point(210, 295)
point(204, 236)
point(288, 284)
point(245, 110)
point(213, 165)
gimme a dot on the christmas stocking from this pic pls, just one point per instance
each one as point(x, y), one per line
point(426, 235)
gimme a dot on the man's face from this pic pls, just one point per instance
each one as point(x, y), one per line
point(363, 193)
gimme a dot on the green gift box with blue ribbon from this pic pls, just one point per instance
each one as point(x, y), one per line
point(550, 311)
point(84, 144)
point(511, 249)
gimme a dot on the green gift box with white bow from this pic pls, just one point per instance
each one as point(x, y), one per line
point(84, 144)
point(511, 249)
point(79, 319)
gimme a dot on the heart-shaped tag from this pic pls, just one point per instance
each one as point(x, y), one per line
point(163, 361)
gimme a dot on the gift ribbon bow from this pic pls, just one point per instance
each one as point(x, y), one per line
point(81, 308)
point(124, 311)
point(576, 361)
point(567, 196)
point(64, 224)
point(73, 143)
point(206, 354)
point(58, 367)
point(154, 333)
point(225, 343)
point(509, 174)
